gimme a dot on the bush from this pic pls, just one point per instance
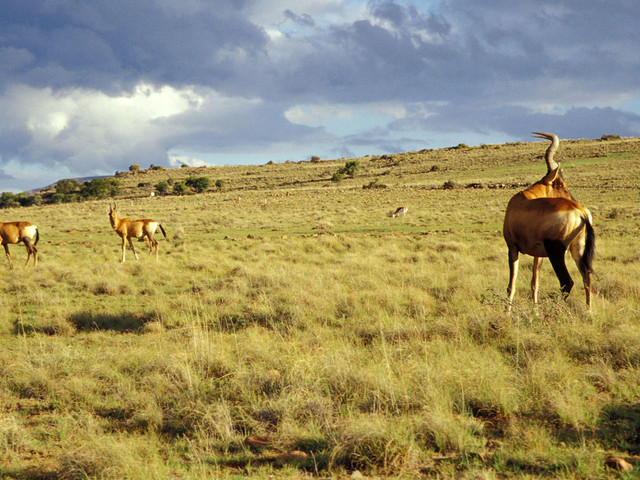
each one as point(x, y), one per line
point(8, 200)
point(199, 184)
point(63, 198)
point(315, 159)
point(449, 185)
point(348, 169)
point(610, 137)
point(162, 187)
point(219, 184)
point(100, 188)
point(374, 184)
point(67, 186)
point(180, 188)
point(156, 167)
point(134, 167)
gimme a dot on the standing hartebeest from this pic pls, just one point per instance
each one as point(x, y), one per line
point(128, 229)
point(16, 232)
point(544, 221)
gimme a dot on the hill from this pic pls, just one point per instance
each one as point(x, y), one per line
point(426, 168)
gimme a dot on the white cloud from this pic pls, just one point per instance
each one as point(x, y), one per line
point(176, 160)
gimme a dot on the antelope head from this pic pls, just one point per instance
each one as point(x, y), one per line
point(552, 184)
point(113, 214)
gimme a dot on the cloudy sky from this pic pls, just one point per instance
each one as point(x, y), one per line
point(90, 87)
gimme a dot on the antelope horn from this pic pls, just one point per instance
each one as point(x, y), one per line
point(555, 143)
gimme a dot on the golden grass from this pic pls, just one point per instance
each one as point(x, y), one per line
point(367, 342)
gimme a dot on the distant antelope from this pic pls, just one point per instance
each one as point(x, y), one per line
point(400, 211)
point(544, 221)
point(16, 232)
point(140, 229)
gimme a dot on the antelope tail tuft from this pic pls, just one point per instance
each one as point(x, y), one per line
point(589, 247)
point(162, 230)
point(37, 237)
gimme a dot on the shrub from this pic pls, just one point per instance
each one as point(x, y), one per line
point(180, 188)
point(67, 186)
point(162, 187)
point(134, 167)
point(315, 159)
point(199, 184)
point(156, 167)
point(63, 198)
point(449, 185)
point(8, 200)
point(350, 168)
point(374, 184)
point(100, 188)
point(610, 137)
point(219, 184)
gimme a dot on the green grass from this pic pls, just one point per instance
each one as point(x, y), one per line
point(367, 342)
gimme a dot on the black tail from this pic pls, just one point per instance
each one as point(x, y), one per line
point(589, 248)
point(37, 237)
point(162, 230)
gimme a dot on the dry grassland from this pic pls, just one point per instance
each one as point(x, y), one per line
point(291, 328)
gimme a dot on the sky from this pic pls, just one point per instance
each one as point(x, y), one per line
point(88, 88)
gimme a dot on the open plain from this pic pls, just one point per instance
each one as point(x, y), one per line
point(292, 328)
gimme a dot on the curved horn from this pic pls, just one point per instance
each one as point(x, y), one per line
point(555, 143)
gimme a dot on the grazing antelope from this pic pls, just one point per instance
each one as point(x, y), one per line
point(544, 221)
point(140, 229)
point(16, 232)
point(400, 211)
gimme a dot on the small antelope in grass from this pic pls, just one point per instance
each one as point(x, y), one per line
point(16, 232)
point(544, 221)
point(399, 212)
point(140, 229)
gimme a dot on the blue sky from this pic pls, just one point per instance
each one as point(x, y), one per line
point(88, 88)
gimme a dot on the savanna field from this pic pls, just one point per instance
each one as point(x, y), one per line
point(292, 329)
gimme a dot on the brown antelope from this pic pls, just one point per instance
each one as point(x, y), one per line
point(399, 212)
point(140, 229)
point(16, 232)
point(544, 221)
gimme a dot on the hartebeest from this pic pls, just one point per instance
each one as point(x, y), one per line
point(16, 232)
point(140, 229)
point(399, 212)
point(544, 221)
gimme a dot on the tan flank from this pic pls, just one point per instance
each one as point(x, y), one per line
point(16, 232)
point(544, 221)
point(140, 229)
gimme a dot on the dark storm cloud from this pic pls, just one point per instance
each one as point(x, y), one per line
point(114, 44)
point(303, 19)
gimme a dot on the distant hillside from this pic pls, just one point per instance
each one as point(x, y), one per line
point(52, 186)
point(423, 168)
